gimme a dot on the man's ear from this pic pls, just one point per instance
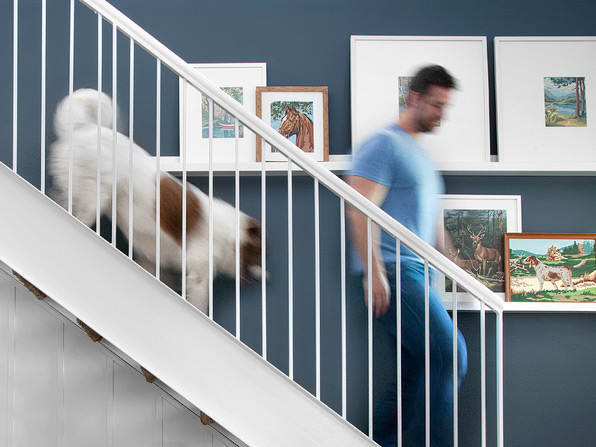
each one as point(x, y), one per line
point(414, 98)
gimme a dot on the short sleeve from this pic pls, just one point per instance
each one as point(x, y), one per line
point(373, 159)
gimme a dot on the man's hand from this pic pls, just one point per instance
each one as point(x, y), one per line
point(381, 293)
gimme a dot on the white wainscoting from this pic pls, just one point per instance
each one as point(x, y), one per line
point(58, 388)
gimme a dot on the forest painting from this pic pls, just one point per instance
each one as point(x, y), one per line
point(565, 102)
point(223, 123)
point(403, 85)
point(476, 237)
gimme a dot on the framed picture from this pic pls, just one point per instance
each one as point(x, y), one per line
point(550, 267)
point(298, 113)
point(473, 230)
point(239, 81)
point(544, 86)
point(380, 70)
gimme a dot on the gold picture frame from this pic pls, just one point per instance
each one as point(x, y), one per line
point(309, 127)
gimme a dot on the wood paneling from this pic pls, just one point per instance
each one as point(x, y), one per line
point(58, 388)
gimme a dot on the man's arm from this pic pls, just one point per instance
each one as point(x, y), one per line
point(376, 193)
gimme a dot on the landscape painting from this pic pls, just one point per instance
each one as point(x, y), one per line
point(403, 86)
point(565, 102)
point(224, 125)
point(476, 239)
point(550, 267)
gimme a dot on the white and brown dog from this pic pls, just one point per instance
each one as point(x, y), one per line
point(78, 118)
point(552, 273)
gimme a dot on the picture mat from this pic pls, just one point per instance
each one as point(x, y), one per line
point(267, 98)
point(521, 64)
point(374, 85)
point(510, 203)
point(249, 76)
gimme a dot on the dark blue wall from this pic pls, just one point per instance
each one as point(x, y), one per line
point(549, 358)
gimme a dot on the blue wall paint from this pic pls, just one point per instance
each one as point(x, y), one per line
point(549, 358)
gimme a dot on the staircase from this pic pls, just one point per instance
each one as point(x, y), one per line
point(155, 327)
point(152, 325)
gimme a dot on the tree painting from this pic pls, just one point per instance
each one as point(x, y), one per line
point(223, 123)
point(403, 85)
point(476, 238)
point(278, 110)
point(565, 102)
point(574, 255)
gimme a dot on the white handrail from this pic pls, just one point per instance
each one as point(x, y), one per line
point(325, 177)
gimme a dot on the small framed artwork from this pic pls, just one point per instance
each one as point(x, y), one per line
point(300, 114)
point(550, 267)
point(473, 232)
point(240, 81)
point(381, 67)
point(544, 89)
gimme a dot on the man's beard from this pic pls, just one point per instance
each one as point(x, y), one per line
point(428, 126)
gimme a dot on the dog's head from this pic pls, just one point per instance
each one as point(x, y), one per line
point(251, 251)
point(531, 261)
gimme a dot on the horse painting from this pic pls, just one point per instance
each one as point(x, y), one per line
point(297, 123)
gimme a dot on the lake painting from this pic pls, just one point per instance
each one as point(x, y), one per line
point(224, 124)
point(565, 102)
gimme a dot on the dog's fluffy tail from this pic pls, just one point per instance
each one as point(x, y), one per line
point(82, 109)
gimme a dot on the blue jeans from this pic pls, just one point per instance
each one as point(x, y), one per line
point(413, 366)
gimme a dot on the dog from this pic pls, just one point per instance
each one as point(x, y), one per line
point(552, 273)
point(77, 118)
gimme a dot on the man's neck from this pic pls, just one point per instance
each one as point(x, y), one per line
point(406, 122)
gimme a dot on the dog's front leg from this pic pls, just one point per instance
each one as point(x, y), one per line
point(197, 292)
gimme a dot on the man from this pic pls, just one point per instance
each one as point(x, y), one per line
point(393, 171)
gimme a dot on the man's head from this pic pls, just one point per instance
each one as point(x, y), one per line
point(430, 90)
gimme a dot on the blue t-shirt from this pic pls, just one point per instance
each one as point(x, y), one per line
point(393, 158)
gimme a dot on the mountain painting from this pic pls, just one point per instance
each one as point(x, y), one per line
point(565, 102)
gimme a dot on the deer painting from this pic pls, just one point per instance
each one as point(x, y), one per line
point(485, 255)
point(471, 265)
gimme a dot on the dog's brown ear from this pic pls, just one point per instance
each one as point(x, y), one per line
point(253, 231)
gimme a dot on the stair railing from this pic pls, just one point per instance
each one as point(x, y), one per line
point(296, 161)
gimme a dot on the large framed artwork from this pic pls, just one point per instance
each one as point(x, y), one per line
point(550, 267)
point(298, 113)
point(240, 81)
point(473, 230)
point(544, 89)
point(380, 70)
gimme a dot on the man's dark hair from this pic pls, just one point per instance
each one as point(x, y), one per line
point(431, 75)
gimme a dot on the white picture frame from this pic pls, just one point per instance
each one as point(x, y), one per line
point(238, 77)
point(377, 63)
point(457, 210)
point(522, 67)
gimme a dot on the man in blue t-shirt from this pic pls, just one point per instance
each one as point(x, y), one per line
point(395, 172)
